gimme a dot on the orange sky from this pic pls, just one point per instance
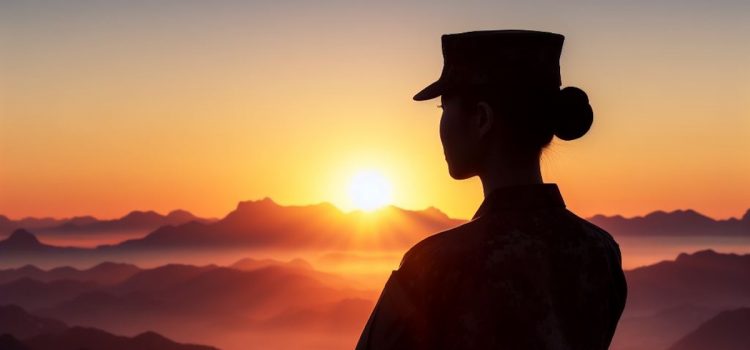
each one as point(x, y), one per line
point(108, 107)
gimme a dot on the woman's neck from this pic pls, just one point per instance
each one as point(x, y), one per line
point(505, 173)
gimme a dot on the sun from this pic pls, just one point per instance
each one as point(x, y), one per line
point(369, 190)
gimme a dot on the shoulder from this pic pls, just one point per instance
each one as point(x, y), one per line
point(600, 236)
point(444, 244)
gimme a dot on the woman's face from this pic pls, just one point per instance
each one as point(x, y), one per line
point(460, 139)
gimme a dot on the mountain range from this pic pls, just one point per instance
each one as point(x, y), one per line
point(726, 331)
point(263, 221)
point(256, 297)
point(198, 304)
point(675, 223)
point(20, 330)
point(261, 224)
point(134, 221)
point(264, 224)
point(668, 299)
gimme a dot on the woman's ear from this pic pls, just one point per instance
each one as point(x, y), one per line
point(485, 117)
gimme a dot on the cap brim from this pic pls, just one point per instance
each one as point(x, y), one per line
point(431, 91)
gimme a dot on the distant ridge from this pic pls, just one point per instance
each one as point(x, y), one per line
point(675, 223)
point(135, 220)
point(704, 278)
point(671, 298)
point(105, 273)
point(252, 294)
point(22, 240)
point(726, 331)
point(264, 223)
point(21, 330)
point(16, 321)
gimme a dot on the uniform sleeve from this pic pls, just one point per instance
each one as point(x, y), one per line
point(392, 324)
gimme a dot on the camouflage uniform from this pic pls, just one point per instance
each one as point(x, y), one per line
point(524, 273)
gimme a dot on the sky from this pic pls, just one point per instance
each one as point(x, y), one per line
point(113, 106)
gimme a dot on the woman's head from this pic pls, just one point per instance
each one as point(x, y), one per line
point(512, 125)
point(502, 101)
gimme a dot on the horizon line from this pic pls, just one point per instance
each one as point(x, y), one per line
point(344, 211)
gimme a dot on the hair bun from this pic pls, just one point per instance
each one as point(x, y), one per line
point(574, 115)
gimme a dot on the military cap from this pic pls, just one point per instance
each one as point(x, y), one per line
point(497, 58)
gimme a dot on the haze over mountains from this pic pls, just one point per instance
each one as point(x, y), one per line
point(668, 299)
point(292, 277)
point(726, 331)
point(264, 225)
point(261, 224)
point(254, 298)
point(199, 304)
point(266, 214)
point(20, 330)
point(135, 220)
point(675, 223)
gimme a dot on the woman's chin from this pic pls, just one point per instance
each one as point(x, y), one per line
point(459, 174)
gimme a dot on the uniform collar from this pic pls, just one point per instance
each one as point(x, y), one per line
point(521, 197)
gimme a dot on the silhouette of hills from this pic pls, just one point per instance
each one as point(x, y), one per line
point(7, 225)
point(676, 223)
point(105, 273)
point(22, 240)
point(134, 221)
point(22, 247)
point(32, 294)
point(16, 321)
point(659, 329)
point(252, 294)
point(22, 330)
point(252, 214)
point(91, 338)
point(726, 331)
point(262, 296)
point(670, 298)
point(160, 278)
point(704, 278)
point(264, 223)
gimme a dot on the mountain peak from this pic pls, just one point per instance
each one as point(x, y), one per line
point(264, 201)
point(433, 211)
point(110, 266)
point(29, 269)
point(139, 214)
point(252, 206)
point(180, 213)
point(151, 337)
point(706, 253)
point(679, 214)
point(21, 238)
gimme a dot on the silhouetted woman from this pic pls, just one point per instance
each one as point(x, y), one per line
point(524, 273)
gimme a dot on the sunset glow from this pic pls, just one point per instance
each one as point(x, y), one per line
point(239, 101)
point(369, 190)
point(225, 175)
